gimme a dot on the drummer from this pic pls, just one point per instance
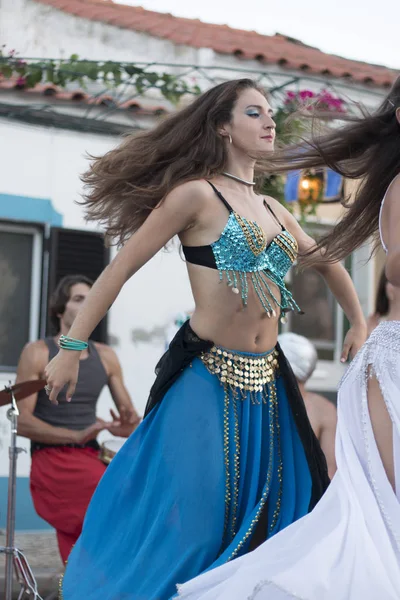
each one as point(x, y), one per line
point(65, 467)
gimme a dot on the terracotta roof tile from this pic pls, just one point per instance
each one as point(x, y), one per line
point(79, 96)
point(277, 49)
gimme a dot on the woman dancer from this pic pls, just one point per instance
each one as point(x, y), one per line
point(348, 548)
point(225, 456)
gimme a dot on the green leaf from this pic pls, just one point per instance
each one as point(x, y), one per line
point(132, 70)
point(63, 72)
point(139, 84)
point(34, 76)
point(60, 78)
point(152, 78)
point(167, 77)
point(6, 70)
point(116, 71)
point(50, 72)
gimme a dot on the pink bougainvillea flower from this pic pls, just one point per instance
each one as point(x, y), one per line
point(304, 94)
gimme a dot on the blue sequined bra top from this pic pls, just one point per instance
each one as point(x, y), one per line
point(242, 256)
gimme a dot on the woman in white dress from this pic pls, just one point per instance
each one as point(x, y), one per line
point(348, 547)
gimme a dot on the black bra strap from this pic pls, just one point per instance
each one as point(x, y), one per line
point(273, 214)
point(220, 196)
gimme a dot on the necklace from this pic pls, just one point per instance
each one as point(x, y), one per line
point(238, 178)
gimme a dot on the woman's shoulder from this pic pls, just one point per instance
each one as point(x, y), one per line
point(198, 188)
point(280, 211)
point(274, 203)
point(195, 194)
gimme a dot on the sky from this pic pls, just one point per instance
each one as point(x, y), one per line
point(362, 30)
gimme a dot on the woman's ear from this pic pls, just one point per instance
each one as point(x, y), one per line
point(398, 114)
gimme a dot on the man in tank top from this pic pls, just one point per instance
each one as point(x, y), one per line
point(66, 467)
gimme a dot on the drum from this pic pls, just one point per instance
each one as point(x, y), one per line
point(109, 449)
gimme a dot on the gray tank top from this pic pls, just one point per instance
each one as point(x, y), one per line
point(81, 412)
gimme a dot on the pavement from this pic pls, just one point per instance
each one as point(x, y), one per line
point(41, 551)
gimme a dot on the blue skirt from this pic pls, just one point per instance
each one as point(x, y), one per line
point(186, 491)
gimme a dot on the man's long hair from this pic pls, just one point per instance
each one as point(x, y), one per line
point(61, 295)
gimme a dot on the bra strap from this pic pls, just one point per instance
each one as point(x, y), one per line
point(273, 214)
point(220, 196)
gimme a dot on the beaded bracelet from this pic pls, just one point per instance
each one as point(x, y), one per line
point(68, 343)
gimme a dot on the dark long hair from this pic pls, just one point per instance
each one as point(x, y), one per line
point(382, 304)
point(61, 296)
point(365, 148)
point(128, 182)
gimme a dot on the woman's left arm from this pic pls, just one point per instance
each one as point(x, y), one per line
point(342, 287)
point(339, 282)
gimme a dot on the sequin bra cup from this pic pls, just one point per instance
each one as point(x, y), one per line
point(242, 256)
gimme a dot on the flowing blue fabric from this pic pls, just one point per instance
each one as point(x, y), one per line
point(157, 517)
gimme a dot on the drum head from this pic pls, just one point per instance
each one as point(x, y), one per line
point(114, 445)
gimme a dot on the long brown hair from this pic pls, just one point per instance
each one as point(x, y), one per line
point(382, 303)
point(127, 183)
point(366, 148)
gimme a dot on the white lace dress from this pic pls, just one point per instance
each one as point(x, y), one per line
point(348, 547)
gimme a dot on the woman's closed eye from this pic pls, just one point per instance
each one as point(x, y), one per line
point(252, 113)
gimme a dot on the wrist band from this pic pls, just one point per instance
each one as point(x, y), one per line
point(68, 343)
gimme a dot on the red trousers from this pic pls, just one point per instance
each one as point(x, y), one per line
point(62, 483)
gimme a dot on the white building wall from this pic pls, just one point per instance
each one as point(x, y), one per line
point(46, 163)
point(37, 30)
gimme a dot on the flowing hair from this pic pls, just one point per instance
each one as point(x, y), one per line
point(127, 183)
point(382, 304)
point(365, 148)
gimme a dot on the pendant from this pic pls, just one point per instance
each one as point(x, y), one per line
point(235, 290)
point(284, 319)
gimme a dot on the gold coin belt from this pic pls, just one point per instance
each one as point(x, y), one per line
point(243, 374)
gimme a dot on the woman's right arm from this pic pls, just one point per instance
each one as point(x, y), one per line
point(178, 212)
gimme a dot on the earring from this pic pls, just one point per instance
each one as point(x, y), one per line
point(230, 138)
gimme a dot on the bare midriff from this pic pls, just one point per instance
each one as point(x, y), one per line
point(220, 316)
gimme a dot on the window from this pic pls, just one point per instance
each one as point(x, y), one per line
point(31, 265)
point(20, 276)
point(74, 251)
